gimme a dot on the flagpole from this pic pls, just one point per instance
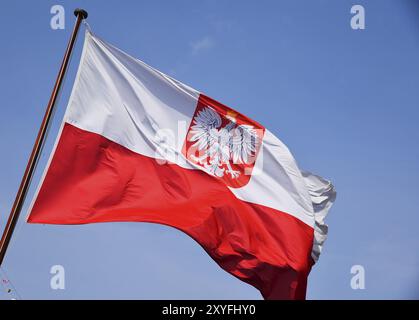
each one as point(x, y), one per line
point(30, 167)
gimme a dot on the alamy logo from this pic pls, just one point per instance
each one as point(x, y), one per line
point(58, 279)
point(358, 280)
point(358, 18)
point(58, 19)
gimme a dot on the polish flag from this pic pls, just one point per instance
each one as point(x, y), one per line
point(138, 145)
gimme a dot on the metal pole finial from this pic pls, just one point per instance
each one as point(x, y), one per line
point(81, 12)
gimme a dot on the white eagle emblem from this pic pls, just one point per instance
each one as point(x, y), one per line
point(219, 146)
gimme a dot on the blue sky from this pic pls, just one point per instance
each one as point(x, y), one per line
point(344, 101)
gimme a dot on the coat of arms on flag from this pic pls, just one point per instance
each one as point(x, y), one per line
point(223, 142)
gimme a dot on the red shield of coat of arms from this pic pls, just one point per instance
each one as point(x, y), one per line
point(223, 142)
